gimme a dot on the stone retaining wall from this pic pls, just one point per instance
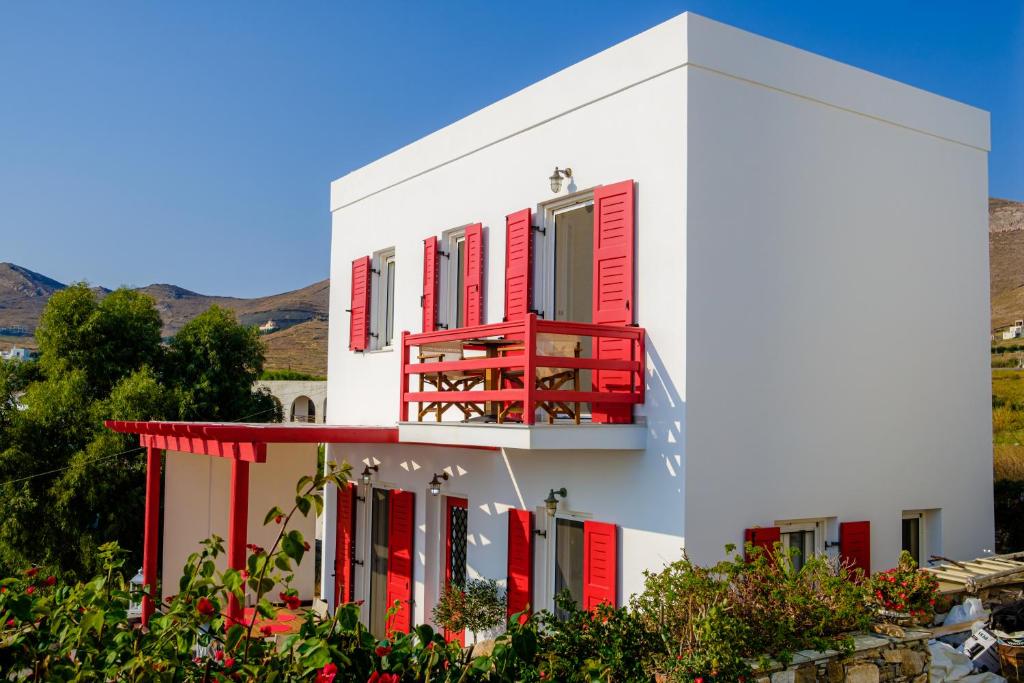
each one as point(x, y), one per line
point(875, 659)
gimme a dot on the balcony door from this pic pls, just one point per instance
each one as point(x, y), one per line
point(574, 278)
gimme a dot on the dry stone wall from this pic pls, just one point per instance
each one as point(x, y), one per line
point(875, 659)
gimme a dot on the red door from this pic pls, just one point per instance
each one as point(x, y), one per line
point(613, 297)
point(344, 544)
point(518, 265)
point(401, 518)
point(456, 516)
point(473, 281)
point(520, 561)
point(431, 279)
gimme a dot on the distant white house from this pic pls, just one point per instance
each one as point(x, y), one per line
point(17, 353)
point(268, 327)
point(1014, 331)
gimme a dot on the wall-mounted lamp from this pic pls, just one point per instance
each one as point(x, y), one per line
point(435, 484)
point(367, 475)
point(557, 176)
point(551, 502)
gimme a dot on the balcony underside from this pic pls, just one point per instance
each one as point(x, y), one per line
point(558, 436)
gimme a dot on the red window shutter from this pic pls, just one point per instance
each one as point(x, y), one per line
point(343, 544)
point(359, 318)
point(761, 537)
point(613, 300)
point(431, 280)
point(402, 516)
point(855, 545)
point(473, 279)
point(600, 564)
point(520, 561)
point(518, 265)
point(450, 503)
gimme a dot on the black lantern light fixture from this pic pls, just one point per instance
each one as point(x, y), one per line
point(557, 176)
point(367, 475)
point(435, 484)
point(551, 502)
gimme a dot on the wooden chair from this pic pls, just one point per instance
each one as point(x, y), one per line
point(548, 379)
point(450, 380)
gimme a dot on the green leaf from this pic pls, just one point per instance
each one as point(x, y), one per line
point(302, 502)
point(234, 634)
point(293, 546)
point(283, 563)
point(303, 483)
point(265, 609)
point(273, 514)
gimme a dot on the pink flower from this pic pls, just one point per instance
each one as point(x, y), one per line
point(327, 674)
point(205, 606)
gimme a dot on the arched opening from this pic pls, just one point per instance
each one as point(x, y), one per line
point(303, 410)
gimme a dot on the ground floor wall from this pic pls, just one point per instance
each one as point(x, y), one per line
point(635, 491)
point(197, 503)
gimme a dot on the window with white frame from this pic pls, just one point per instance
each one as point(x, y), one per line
point(382, 328)
point(805, 537)
point(453, 278)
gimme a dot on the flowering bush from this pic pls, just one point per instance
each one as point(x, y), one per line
point(478, 607)
point(904, 590)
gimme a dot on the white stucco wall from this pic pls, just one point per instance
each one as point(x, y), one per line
point(196, 506)
point(832, 235)
point(828, 209)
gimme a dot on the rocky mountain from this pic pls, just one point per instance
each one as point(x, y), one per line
point(1006, 260)
point(24, 293)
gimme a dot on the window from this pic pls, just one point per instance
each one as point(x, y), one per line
point(383, 328)
point(456, 532)
point(452, 309)
point(921, 534)
point(912, 537)
point(568, 561)
point(804, 537)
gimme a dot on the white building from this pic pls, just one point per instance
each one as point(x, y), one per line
point(715, 175)
point(1014, 331)
point(16, 353)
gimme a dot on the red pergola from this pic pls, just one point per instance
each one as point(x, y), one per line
point(243, 444)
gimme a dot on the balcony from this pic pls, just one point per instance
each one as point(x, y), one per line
point(522, 384)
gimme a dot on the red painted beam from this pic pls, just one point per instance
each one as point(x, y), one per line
point(151, 546)
point(238, 519)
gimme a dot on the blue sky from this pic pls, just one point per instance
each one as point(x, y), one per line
point(194, 142)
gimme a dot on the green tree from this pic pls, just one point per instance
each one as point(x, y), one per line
point(212, 364)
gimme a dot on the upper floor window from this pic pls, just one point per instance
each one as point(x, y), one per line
point(383, 327)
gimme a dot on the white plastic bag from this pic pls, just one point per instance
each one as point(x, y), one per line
point(970, 610)
point(950, 665)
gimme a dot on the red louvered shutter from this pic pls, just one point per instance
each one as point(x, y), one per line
point(401, 518)
point(518, 265)
point(520, 561)
point(600, 564)
point(855, 545)
point(343, 545)
point(613, 302)
point(473, 281)
point(431, 280)
point(761, 537)
point(359, 318)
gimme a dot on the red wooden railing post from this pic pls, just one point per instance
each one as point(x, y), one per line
point(238, 521)
point(529, 368)
point(151, 541)
point(403, 359)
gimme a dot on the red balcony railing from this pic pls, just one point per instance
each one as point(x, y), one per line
point(511, 371)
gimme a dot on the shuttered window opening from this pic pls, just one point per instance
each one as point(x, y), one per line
point(761, 537)
point(473, 280)
point(455, 534)
point(383, 275)
point(518, 265)
point(855, 545)
point(431, 284)
point(519, 590)
point(359, 307)
point(344, 546)
point(613, 299)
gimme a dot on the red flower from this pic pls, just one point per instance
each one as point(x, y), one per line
point(266, 630)
point(327, 674)
point(278, 519)
point(218, 655)
point(50, 580)
point(229, 662)
point(291, 601)
point(10, 623)
point(205, 606)
point(374, 677)
point(383, 650)
point(698, 679)
point(31, 571)
point(30, 590)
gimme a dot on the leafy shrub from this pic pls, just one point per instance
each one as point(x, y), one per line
point(1009, 504)
point(292, 375)
point(904, 589)
point(478, 607)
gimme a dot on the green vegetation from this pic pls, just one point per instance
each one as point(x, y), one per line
point(68, 485)
point(290, 375)
point(1008, 457)
point(690, 624)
